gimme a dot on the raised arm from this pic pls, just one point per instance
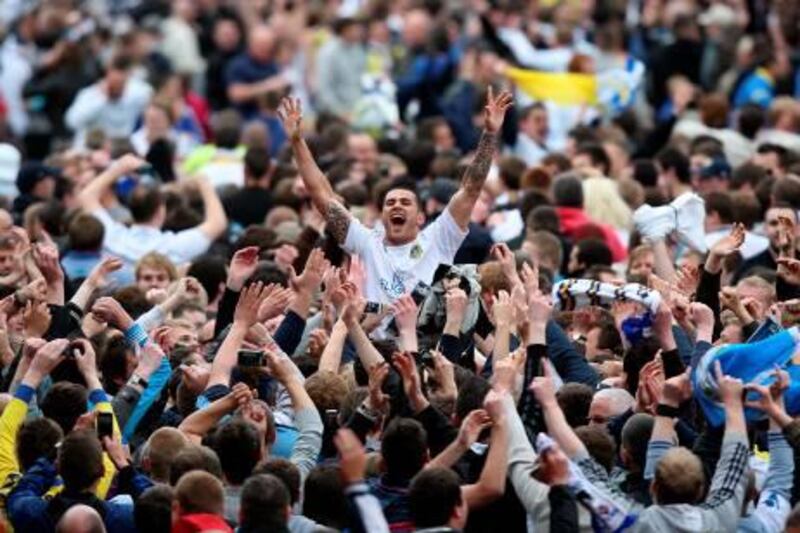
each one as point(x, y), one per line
point(89, 197)
point(463, 201)
point(215, 221)
point(322, 195)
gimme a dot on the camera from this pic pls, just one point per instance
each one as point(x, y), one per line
point(105, 425)
point(250, 358)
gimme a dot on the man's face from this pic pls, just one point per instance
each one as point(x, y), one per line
point(574, 265)
point(152, 278)
point(196, 317)
point(773, 225)
point(537, 126)
point(115, 83)
point(45, 188)
point(7, 262)
point(599, 411)
point(443, 137)
point(582, 162)
point(642, 265)
point(401, 216)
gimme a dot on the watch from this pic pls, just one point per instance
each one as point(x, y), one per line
point(137, 381)
point(669, 411)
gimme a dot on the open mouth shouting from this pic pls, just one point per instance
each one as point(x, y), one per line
point(397, 219)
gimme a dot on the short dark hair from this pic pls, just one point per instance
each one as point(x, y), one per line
point(721, 204)
point(144, 203)
point(323, 497)
point(238, 446)
point(511, 170)
point(37, 438)
point(404, 184)
point(264, 502)
point(575, 400)
point(64, 403)
point(645, 172)
point(257, 162)
point(635, 438)
point(80, 460)
point(673, 159)
point(433, 495)
point(568, 191)
point(404, 448)
point(114, 361)
point(85, 233)
point(284, 470)
point(594, 252)
point(210, 271)
point(194, 458)
point(599, 444)
point(597, 155)
point(152, 511)
point(470, 395)
point(121, 62)
point(544, 218)
point(226, 128)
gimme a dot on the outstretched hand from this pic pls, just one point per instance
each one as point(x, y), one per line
point(495, 110)
point(291, 114)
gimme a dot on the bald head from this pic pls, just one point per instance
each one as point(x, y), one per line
point(80, 519)
point(261, 43)
point(416, 27)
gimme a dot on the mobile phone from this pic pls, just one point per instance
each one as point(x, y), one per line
point(372, 308)
point(331, 418)
point(69, 351)
point(105, 425)
point(250, 358)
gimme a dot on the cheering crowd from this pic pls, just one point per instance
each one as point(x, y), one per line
point(301, 266)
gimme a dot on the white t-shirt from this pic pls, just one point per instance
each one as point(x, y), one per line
point(392, 271)
point(131, 243)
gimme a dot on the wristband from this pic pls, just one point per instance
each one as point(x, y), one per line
point(668, 411)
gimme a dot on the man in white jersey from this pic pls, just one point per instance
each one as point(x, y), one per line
point(397, 255)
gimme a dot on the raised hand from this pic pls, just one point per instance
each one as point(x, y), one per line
point(127, 164)
point(540, 308)
point(404, 310)
point(786, 234)
point(97, 278)
point(508, 263)
point(502, 311)
point(407, 368)
point(472, 426)
point(46, 258)
point(246, 313)
point(688, 277)
point(188, 289)
point(730, 388)
point(312, 275)
point(730, 243)
point(729, 298)
point(495, 110)
point(275, 301)
point(530, 278)
point(377, 399)
point(677, 389)
point(243, 264)
point(44, 361)
point(291, 115)
point(352, 457)
point(110, 311)
point(544, 389)
point(455, 305)
point(36, 318)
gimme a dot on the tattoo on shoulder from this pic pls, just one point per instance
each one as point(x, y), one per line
point(477, 171)
point(338, 220)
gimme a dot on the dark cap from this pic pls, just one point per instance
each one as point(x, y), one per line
point(31, 173)
point(717, 168)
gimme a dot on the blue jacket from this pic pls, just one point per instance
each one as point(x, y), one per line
point(30, 512)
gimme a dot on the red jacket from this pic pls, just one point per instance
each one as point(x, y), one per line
point(573, 219)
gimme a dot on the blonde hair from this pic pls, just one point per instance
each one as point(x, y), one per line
point(157, 261)
point(603, 203)
point(679, 478)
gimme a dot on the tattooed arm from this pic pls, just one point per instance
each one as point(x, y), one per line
point(471, 184)
point(337, 219)
point(315, 181)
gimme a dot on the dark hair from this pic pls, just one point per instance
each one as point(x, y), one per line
point(194, 458)
point(210, 271)
point(568, 191)
point(470, 395)
point(597, 155)
point(152, 511)
point(37, 438)
point(544, 218)
point(599, 444)
point(575, 399)
point(404, 184)
point(675, 160)
point(594, 252)
point(721, 204)
point(257, 162)
point(121, 62)
point(511, 170)
point(418, 156)
point(635, 438)
point(80, 460)
point(85, 233)
point(323, 497)
point(238, 446)
point(133, 300)
point(226, 128)
point(264, 501)
point(645, 172)
point(433, 495)
point(787, 191)
point(751, 118)
point(635, 358)
point(114, 362)
point(747, 174)
point(144, 203)
point(284, 470)
point(404, 449)
point(64, 403)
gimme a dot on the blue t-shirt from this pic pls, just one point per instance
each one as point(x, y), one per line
point(757, 88)
point(244, 69)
